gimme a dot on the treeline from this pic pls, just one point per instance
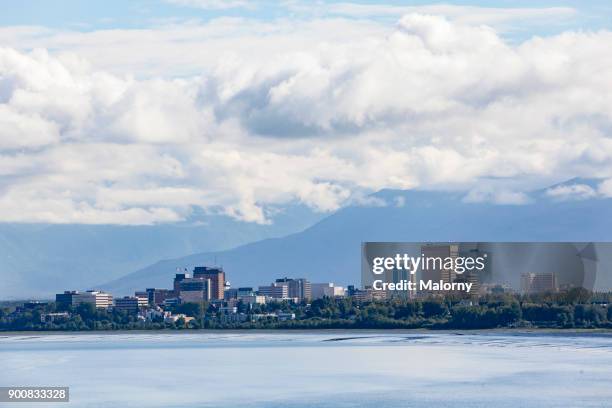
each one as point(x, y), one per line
point(85, 317)
point(575, 309)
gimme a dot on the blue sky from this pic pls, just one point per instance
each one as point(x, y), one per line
point(95, 15)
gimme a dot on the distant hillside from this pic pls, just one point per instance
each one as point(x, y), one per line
point(38, 260)
point(330, 250)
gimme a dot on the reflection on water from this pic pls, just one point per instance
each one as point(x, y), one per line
point(335, 369)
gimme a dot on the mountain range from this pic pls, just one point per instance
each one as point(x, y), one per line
point(329, 251)
point(38, 260)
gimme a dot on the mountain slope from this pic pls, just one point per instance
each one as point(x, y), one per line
point(40, 260)
point(330, 250)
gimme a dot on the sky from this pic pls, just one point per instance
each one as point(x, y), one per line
point(144, 112)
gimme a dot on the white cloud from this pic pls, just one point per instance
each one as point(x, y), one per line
point(241, 117)
point(502, 197)
point(572, 192)
point(25, 130)
point(605, 188)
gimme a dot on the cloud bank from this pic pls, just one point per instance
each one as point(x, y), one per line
point(245, 117)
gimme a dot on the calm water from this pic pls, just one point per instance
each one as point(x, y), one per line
point(342, 369)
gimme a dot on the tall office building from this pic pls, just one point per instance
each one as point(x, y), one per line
point(195, 290)
point(483, 275)
point(177, 281)
point(217, 279)
point(538, 283)
point(297, 288)
point(434, 269)
point(396, 276)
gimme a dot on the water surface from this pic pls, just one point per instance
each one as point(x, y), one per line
point(330, 369)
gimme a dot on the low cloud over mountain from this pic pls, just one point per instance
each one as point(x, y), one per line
point(329, 251)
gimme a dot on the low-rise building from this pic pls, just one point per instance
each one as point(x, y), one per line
point(282, 316)
point(253, 300)
point(275, 290)
point(495, 288)
point(143, 296)
point(158, 296)
point(233, 318)
point(52, 317)
point(228, 309)
point(175, 318)
point(171, 302)
point(245, 291)
point(155, 314)
point(368, 294)
point(130, 304)
point(538, 283)
point(230, 294)
point(328, 289)
point(100, 300)
point(65, 299)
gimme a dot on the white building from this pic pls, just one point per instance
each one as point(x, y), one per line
point(253, 299)
point(51, 317)
point(174, 318)
point(328, 289)
point(100, 300)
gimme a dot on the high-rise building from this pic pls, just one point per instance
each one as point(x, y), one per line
point(483, 275)
point(99, 299)
point(433, 264)
point(297, 288)
point(538, 283)
point(217, 279)
point(177, 281)
point(195, 290)
point(397, 276)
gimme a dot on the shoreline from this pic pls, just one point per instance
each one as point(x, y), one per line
point(501, 331)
